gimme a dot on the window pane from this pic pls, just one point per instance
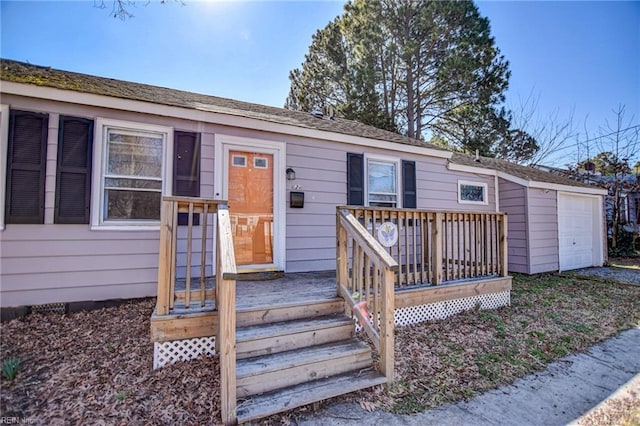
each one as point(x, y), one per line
point(121, 205)
point(239, 161)
point(382, 197)
point(134, 154)
point(381, 204)
point(260, 163)
point(133, 183)
point(472, 193)
point(382, 177)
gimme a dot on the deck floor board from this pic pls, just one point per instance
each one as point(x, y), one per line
point(293, 288)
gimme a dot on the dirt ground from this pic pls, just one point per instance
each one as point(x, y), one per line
point(96, 367)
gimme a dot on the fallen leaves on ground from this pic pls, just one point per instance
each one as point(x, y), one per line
point(96, 367)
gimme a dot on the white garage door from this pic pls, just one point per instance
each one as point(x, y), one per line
point(579, 231)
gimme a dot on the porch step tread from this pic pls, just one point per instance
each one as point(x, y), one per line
point(270, 403)
point(252, 332)
point(264, 364)
point(248, 307)
point(287, 311)
point(264, 339)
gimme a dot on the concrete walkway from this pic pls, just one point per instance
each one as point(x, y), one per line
point(564, 392)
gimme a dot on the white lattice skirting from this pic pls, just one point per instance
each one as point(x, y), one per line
point(441, 310)
point(182, 350)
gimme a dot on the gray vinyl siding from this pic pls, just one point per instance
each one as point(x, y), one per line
point(64, 263)
point(543, 230)
point(437, 186)
point(513, 201)
point(321, 171)
point(54, 263)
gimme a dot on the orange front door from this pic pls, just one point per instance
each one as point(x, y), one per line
point(251, 206)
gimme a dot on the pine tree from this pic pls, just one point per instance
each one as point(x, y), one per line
point(429, 69)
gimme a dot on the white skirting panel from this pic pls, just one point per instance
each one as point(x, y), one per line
point(441, 310)
point(182, 350)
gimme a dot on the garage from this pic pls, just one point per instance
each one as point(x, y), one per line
point(579, 231)
point(554, 223)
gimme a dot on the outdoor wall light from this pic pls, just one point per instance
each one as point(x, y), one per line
point(291, 174)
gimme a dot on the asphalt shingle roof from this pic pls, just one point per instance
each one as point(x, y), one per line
point(20, 72)
point(522, 172)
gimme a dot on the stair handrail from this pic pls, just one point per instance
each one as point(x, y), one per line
point(368, 286)
point(226, 275)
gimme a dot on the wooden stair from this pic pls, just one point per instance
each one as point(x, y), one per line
point(308, 358)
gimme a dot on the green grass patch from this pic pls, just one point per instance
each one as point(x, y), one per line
point(10, 368)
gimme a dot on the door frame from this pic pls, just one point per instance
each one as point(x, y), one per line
point(222, 145)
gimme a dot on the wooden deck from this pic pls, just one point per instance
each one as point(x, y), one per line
point(305, 287)
point(284, 297)
point(291, 289)
point(277, 337)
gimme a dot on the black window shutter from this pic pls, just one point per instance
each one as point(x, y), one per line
point(186, 169)
point(409, 184)
point(73, 175)
point(355, 179)
point(26, 163)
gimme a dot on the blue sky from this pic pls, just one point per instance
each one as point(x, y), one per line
point(570, 56)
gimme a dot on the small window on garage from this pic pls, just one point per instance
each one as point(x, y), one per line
point(472, 192)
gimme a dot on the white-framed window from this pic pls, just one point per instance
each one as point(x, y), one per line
point(132, 171)
point(239, 160)
point(472, 192)
point(260, 162)
point(383, 181)
point(4, 138)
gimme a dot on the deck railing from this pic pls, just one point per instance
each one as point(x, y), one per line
point(196, 291)
point(435, 247)
point(222, 296)
point(367, 285)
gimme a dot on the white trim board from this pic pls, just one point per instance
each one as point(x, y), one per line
point(524, 182)
point(383, 159)
point(485, 192)
point(222, 145)
point(99, 165)
point(4, 141)
point(209, 114)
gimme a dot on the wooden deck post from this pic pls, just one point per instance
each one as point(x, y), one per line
point(504, 252)
point(436, 248)
point(342, 256)
point(387, 322)
point(166, 253)
point(227, 336)
point(226, 305)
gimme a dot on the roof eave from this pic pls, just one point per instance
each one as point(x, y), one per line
point(226, 118)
